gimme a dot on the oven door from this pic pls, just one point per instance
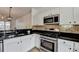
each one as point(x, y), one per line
point(48, 45)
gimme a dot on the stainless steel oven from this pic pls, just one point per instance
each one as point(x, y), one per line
point(48, 44)
point(0, 46)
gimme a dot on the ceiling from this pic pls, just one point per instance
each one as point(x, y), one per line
point(16, 12)
point(42, 9)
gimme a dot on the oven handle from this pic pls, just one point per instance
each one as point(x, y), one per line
point(48, 38)
point(54, 41)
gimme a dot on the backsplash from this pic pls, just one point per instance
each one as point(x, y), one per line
point(46, 27)
point(64, 28)
point(69, 28)
point(76, 28)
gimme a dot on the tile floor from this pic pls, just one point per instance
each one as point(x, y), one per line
point(36, 50)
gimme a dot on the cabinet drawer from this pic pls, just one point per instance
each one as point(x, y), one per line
point(65, 46)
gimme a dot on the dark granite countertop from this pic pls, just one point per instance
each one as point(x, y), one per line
point(61, 35)
point(54, 34)
point(14, 34)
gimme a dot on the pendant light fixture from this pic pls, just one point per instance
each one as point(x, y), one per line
point(9, 16)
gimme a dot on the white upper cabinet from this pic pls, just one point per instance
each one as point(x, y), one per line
point(76, 15)
point(37, 17)
point(56, 11)
point(66, 15)
point(34, 16)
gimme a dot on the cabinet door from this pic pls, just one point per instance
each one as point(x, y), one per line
point(23, 43)
point(27, 43)
point(57, 10)
point(34, 20)
point(37, 40)
point(76, 47)
point(66, 15)
point(65, 46)
point(76, 15)
point(36, 17)
point(32, 41)
point(12, 45)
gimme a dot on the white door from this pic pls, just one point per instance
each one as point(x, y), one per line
point(12, 45)
point(65, 46)
point(76, 47)
point(66, 15)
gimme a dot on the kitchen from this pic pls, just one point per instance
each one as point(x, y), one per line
point(39, 29)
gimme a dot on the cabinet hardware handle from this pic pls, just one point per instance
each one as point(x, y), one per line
point(75, 50)
point(21, 41)
point(64, 42)
point(18, 42)
point(70, 48)
point(74, 21)
point(70, 22)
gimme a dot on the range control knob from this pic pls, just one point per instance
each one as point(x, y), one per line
point(75, 50)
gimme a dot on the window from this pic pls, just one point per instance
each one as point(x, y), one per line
point(1, 25)
point(5, 25)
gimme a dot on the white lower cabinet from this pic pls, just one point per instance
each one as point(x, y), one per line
point(36, 38)
point(25, 43)
point(65, 46)
point(32, 42)
point(21, 44)
point(76, 47)
point(12, 45)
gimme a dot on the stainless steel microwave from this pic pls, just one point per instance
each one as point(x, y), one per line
point(51, 19)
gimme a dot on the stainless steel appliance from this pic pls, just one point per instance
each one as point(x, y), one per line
point(51, 19)
point(48, 44)
point(0, 46)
